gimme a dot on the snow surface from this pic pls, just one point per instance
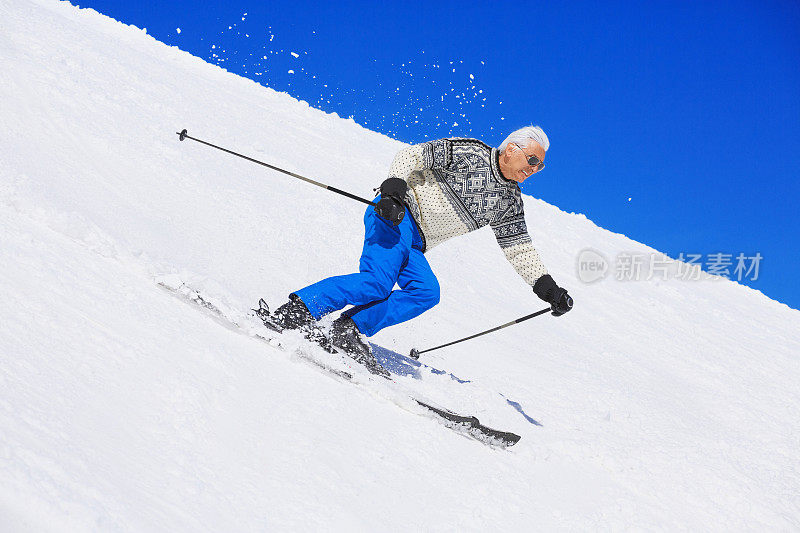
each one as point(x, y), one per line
point(663, 404)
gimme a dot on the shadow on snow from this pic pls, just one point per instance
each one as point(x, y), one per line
point(403, 365)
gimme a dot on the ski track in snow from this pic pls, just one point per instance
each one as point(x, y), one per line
point(663, 404)
point(403, 388)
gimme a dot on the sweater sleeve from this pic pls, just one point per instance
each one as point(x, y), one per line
point(418, 157)
point(512, 236)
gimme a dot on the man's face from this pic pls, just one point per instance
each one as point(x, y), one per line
point(517, 160)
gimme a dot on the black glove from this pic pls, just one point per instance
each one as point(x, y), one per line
point(546, 289)
point(391, 206)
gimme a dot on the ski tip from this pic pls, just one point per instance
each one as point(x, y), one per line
point(473, 427)
point(266, 317)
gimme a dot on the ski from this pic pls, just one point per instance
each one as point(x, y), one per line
point(466, 425)
point(472, 424)
point(269, 335)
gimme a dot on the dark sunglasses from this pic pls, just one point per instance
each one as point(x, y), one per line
point(533, 161)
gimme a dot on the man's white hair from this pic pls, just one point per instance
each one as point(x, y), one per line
point(523, 136)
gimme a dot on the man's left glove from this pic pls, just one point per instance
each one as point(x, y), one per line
point(546, 289)
point(391, 206)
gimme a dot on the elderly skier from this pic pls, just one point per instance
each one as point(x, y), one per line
point(435, 191)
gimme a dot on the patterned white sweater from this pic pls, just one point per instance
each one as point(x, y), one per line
point(455, 186)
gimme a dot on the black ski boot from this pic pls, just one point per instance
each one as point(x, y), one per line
point(344, 335)
point(294, 315)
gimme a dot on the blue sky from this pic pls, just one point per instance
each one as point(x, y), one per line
point(675, 123)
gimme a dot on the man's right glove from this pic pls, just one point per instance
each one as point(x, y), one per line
point(391, 206)
point(546, 289)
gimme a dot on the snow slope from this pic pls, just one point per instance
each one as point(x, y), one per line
point(667, 404)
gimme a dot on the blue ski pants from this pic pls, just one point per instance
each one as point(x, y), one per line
point(391, 255)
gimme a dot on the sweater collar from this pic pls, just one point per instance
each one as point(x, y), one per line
point(496, 168)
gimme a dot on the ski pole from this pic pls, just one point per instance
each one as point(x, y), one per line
point(416, 353)
point(183, 135)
